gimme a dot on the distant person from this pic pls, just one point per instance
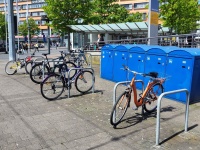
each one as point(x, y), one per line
point(100, 41)
point(189, 41)
point(36, 47)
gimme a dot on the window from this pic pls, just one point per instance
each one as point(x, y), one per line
point(37, 1)
point(144, 16)
point(128, 6)
point(140, 5)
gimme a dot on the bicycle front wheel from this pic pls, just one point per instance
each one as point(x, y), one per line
point(11, 67)
point(120, 107)
point(52, 87)
point(151, 97)
point(84, 81)
point(28, 66)
point(36, 73)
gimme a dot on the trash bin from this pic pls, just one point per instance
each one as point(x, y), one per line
point(106, 71)
point(120, 58)
point(136, 62)
point(183, 69)
point(155, 61)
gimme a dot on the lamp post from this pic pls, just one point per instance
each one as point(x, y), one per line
point(6, 26)
point(45, 18)
point(29, 37)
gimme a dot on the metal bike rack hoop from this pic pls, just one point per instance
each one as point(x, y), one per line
point(158, 111)
point(80, 69)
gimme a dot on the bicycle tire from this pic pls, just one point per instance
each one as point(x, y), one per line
point(52, 87)
point(152, 95)
point(84, 81)
point(68, 65)
point(11, 67)
point(36, 73)
point(124, 99)
point(28, 66)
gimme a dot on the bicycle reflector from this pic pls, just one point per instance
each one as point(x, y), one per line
point(28, 58)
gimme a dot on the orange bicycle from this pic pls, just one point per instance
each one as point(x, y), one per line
point(147, 99)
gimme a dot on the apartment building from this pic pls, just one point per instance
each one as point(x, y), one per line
point(135, 6)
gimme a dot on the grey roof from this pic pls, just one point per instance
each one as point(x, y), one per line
point(115, 28)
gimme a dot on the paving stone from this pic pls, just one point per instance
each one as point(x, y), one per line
point(81, 122)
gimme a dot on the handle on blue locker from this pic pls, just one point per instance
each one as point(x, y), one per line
point(159, 63)
point(139, 60)
point(183, 67)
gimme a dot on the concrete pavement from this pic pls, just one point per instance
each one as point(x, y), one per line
point(28, 121)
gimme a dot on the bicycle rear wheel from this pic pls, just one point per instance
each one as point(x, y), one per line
point(120, 108)
point(52, 87)
point(151, 97)
point(84, 81)
point(11, 67)
point(36, 73)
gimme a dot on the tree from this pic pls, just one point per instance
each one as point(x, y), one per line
point(33, 28)
point(2, 27)
point(62, 13)
point(106, 11)
point(180, 15)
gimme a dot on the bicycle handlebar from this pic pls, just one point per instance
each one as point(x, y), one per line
point(152, 75)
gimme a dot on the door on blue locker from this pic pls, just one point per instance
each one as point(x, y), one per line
point(107, 64)
point(179, 76)
point(120, 59)
point(136, 63)
point(154, 63)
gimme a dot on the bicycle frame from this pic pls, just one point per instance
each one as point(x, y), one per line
point(139, 102)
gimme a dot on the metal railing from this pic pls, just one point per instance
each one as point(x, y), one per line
point(158, 111)
point(182, 41)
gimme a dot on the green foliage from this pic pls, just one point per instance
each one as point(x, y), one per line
point(2, 27)
point(180, 15)
point(33, 28)
point(67, 12)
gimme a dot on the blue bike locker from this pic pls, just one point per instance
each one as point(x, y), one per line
point(155, 61)
point(120, 58)
point(136, 62)
point(183, 69)
point(106, 71)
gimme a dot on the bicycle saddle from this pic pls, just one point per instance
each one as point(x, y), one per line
point(153, 74)
point(45, 54)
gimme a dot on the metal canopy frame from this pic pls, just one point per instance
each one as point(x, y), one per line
point(128, 27)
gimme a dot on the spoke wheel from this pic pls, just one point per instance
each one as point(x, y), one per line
point(11, 67)
point(36, 73)
point(84, 81)
point(28, 66)
point(151, 97)
point(52, 87)
point(120, 108)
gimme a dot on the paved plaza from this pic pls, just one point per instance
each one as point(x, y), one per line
point(81, 122)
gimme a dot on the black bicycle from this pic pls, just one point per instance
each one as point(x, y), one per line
point(54, 84)
point(45, 68)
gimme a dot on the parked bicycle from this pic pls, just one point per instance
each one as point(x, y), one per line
point(13, 66)
point(36, 72)
point(54, 85)
point(77, 57)
point(147, 99)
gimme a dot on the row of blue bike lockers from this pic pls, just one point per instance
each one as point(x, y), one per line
point(181, 66)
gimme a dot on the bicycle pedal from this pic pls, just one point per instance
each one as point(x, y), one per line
point(135, 108)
